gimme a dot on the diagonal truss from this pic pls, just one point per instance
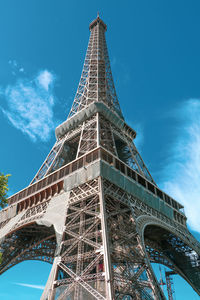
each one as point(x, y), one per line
point(101, 256)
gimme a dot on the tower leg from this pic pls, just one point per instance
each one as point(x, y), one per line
point(101, 254)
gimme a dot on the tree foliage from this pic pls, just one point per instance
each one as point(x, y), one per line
point(3, 189)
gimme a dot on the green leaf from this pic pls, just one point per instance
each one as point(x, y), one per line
point(3, 189)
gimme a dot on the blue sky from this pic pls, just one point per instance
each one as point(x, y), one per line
point(154, 51)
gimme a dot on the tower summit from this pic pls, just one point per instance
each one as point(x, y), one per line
point(96, 83)
point(93, 209)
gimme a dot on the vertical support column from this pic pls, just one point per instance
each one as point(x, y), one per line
point(98, 62)
point(106, 250)
point(49, 291)
point(98, 131)
point(79, 265)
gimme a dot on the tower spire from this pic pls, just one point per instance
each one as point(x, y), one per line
point(95, 119)
point(96, 83)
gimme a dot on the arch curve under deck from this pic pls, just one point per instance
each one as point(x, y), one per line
point(33, 233)
point(28, 242)
point(174, 248)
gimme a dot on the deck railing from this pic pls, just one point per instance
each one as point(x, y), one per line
point(83, 161)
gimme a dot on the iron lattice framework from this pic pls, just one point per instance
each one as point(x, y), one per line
point(93, 210)
point(96, 83)
point(96, 86)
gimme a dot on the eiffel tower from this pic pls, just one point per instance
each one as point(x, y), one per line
point(93, 210)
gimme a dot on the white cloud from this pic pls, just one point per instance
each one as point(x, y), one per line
point(13, 63)
point(30, 105)
point(15, 67)
point(181, 176)
point(45, 79)
point(33, 286)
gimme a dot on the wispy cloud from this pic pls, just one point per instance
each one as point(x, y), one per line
point(138, 127)
point(30, 103)
point(181, 175)
point(15, 67)
point(45, 79)
point(33, 286)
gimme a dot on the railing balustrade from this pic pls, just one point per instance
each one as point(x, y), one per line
point(103, 154)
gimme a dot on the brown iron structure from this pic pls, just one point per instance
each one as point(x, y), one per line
point(93, 210)
point(170, 283)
